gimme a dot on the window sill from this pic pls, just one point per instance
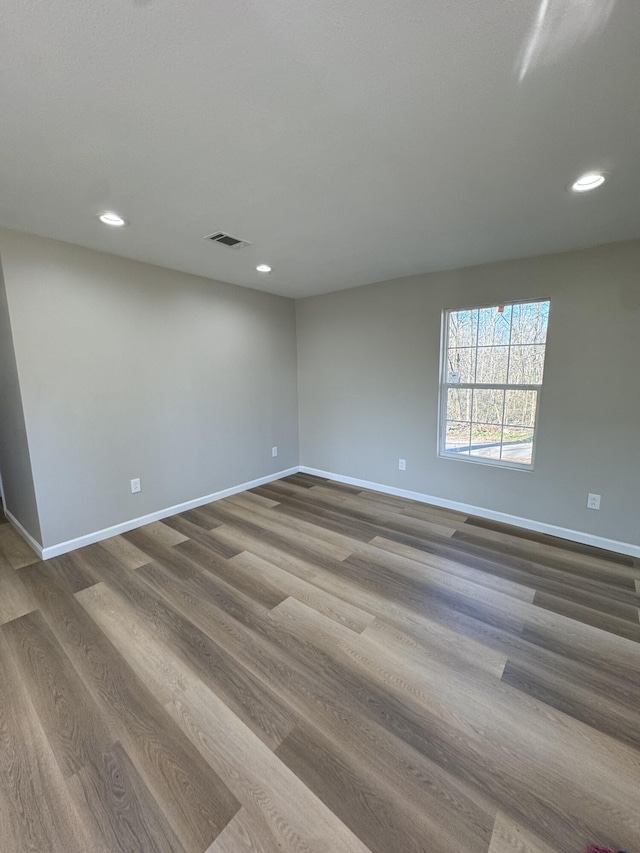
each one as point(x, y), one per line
point(491, 463)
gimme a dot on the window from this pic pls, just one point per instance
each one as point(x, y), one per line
point(491, 376)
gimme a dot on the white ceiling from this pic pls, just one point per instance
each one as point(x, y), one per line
point(350, 142)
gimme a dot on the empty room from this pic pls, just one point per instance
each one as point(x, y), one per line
point(319, 426)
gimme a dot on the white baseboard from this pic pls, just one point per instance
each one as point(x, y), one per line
point(28, 538)
point(527, 523)
point(107, 532)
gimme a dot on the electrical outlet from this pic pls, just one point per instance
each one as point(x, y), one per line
point(402, 464)
point(135, 486)
point(593, 501)
point(274, 451)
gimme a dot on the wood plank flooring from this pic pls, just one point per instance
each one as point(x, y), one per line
point(313, 668)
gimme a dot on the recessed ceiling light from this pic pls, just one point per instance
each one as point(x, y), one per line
point(110, 218)
point(265, 268)
point(590, 181)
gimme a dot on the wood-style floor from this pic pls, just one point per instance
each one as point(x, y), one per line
point(311, 668)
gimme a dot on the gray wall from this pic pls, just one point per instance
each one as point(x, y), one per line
point(129, 370)
point(368, 362)
point(15, 463)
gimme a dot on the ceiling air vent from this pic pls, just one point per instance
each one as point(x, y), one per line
point(227, 240)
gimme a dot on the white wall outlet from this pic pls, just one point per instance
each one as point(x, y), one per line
point(135, 486)
point(593, 501)
point(274, 451)
point(402, 464)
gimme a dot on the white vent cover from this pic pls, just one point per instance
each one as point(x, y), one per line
point(227, 240)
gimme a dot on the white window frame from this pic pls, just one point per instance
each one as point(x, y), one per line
point(444, 388)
